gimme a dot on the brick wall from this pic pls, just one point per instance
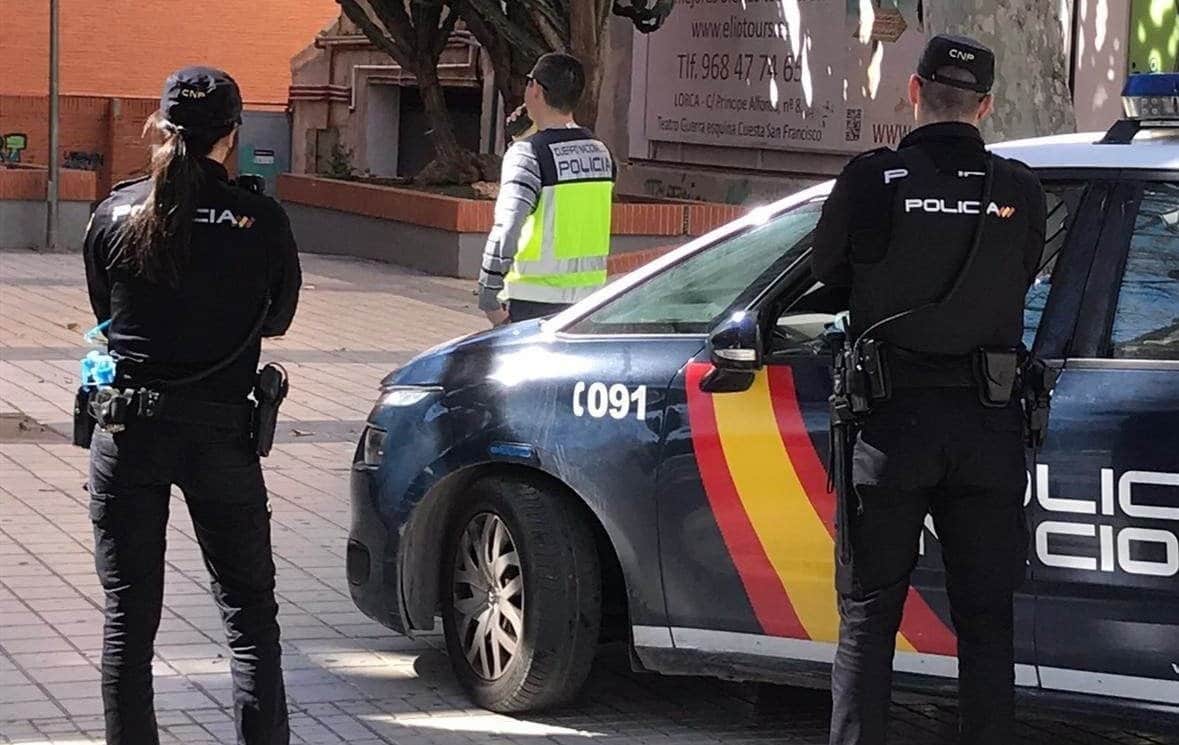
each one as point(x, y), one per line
point(97, 134)
point(28, 185)
point(666, 225)
point(128, 151)
point(125, 48)
point(619, 264)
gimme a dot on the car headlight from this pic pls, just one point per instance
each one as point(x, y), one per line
point(406, 395)
point(375, 440)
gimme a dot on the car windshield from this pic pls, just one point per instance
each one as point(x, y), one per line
point(691, 296)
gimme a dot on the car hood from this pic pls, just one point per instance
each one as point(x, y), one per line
point(463, 359)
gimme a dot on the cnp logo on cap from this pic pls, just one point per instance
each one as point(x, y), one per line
point(959, 52)
point(201, 98)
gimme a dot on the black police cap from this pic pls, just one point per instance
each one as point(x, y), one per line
point(947, 50)
point(201, 98)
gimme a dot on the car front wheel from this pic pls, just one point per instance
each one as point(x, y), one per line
point(522, 599)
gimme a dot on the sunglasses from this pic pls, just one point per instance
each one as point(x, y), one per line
point(532, 79)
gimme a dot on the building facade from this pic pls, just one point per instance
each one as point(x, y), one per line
point(355, 110)
point(114, 56)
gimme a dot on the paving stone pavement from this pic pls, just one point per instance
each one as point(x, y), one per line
point(348, 679)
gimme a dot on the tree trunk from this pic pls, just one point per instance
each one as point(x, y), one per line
point(509, 39)
point(434, 102)
point(587, 27)
point(1032, 97)
point(452, 163)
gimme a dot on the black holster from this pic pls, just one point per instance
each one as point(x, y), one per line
point(270, 389)
point(851, 400)
point(1036, 383)
point(83, 420)
point(861, 376)
point(106, 407)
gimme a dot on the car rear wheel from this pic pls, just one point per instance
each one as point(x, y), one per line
point(522, 596)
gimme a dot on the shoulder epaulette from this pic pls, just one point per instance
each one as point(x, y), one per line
point(129, 182)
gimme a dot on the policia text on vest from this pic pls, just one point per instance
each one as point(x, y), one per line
point(551, 238)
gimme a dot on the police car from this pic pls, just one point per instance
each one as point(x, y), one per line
point(547, 485)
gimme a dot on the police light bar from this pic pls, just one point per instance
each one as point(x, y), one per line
point(1152, 97)
point(1151, 101)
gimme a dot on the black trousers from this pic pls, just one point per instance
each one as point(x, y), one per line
point(131, 475)
point(937, 452)
point(526, 310)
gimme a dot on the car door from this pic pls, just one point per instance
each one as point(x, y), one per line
point(1106, 515)
point(746, 517)
point(611, 371)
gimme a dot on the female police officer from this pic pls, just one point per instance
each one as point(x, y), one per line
point(191, 271)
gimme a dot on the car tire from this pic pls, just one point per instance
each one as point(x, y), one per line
point(540, 554)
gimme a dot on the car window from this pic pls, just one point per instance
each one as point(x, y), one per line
point(1061, 202)
point(1146, 323)
point(691, 296)
point(806, 318)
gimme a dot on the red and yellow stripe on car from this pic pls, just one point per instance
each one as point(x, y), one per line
point(769, 496)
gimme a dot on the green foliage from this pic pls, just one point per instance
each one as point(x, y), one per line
point(340, 162)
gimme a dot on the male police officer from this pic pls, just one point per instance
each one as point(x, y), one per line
point(939, 228)
point(551, 237)
point(191, 270)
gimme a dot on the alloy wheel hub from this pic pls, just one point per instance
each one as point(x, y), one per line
point(488, 589)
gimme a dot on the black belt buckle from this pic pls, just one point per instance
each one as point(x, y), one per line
point(996, 370)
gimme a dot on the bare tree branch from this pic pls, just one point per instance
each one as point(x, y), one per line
point(446, 27)
point(392, 14)
point(514, 36)
point(508, 79)
point(552, 20)
point(377, 34)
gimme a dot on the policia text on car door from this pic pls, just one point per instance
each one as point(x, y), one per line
point(939, 242)
point(190, 270)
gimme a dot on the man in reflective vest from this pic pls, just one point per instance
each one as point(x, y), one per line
point(551, 237)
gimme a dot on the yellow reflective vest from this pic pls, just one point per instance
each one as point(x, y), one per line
point(563, 246)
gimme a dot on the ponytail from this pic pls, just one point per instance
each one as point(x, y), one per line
point(158, 235)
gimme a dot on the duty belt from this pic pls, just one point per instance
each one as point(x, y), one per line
point(144, 403)
point(909, 369)
point(167, 407)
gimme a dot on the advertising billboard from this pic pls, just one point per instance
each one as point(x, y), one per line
point(809, 75)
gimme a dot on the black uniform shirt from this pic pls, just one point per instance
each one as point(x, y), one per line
point(241, 251)
point(898, 227)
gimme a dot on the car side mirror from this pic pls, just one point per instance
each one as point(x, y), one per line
point(736, 352)
point(735, 345)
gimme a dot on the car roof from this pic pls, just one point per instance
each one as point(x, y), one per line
point(1156, 149)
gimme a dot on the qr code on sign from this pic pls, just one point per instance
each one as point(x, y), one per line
point(855, 120)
